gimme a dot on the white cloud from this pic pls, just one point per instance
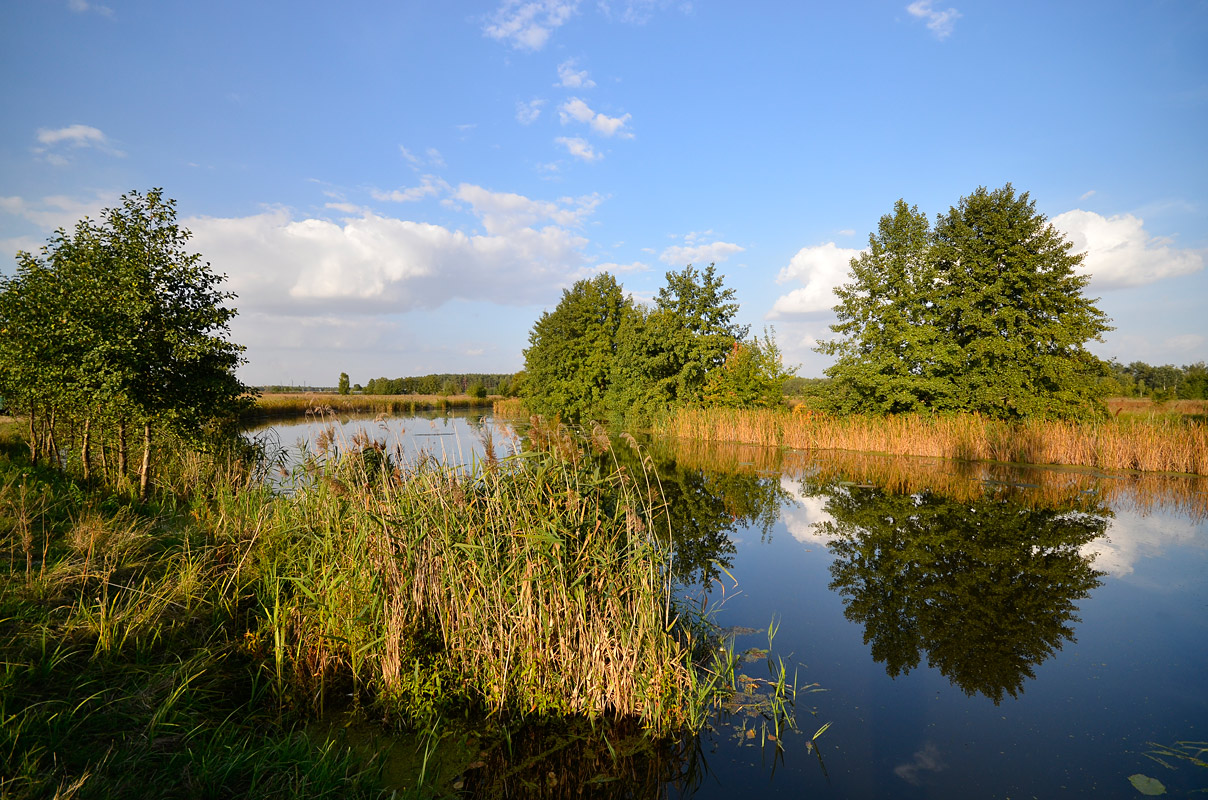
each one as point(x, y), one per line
point(434, 157)
point(821, 269)
point(1087, 195)
point(83, 7)
point(699, 253)
point(407, 154)
point(639, 12)
point(278, 264)
point(614, 268)
point(571, 78)
point(1134, 536)
point(1120, 253)
point(505, 212)
point(804, 518)
point(941, 23)
point(576, 109)
point(926, 759)
point(527, 113)
point(1192, 343)
point(579, 148)
point(528, 25)
point(57, 211)
point(429, 186)
point(54, 141)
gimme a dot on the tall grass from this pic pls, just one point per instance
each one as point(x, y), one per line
point(168, 649)
point(1163, 445)
point(285, 405)
point(510, 408)
point(530, 585)
point(959, 480)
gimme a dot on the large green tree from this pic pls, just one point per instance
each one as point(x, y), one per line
point(119, 321)
point(569, 361)
point(983, 313)
point(891, 354)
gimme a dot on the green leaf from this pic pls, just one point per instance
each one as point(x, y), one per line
point(1150, 787)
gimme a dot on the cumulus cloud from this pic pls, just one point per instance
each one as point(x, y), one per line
point(279, 264)
point(821, 269)
point(55, 143)
point(506, 212)
point(1134, 536)
point(941, 23)
point(577, 110)
point(571, 78)
point(527, 113)
point(527, 25)
point(579, 148)
point(695, 251)
point(1119, 252)
point(804, 518)
point(58, 211)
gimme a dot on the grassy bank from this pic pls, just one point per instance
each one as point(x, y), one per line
point(176, 648)
point(1161, 444)
point(286, 405)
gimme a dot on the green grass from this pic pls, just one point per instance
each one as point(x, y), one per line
point(180, 648)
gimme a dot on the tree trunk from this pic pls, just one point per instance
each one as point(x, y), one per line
point(144, 472)
point(33, 434)
point(121, 451)
point(85, 454)
point(52, 447)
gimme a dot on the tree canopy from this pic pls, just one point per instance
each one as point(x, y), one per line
point(984, 312)
point(117, 322)
point(599, 354)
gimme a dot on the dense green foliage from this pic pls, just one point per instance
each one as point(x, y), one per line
point(444, 383)
point(1138, 379)
point(599, 354)
point(113, 326)
point(982, 313)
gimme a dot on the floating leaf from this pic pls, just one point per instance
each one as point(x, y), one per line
point(1150, 787)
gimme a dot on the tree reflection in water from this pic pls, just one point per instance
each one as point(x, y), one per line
point(988, 587)
point(706, 507)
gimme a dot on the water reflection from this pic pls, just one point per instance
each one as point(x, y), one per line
point(705, 508)
point(987, 589)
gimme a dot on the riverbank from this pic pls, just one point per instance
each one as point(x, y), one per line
point(177, 648)
point(1160, 443)
point(298, 404)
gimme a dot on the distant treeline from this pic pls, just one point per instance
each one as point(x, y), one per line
point(1167, 382)
point(471, 383)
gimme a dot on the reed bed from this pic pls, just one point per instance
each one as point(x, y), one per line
point(1163, 445)
point(510, 408)
point(284, 405)
point(172, 648)
point(1068, 488)
point(531, 585)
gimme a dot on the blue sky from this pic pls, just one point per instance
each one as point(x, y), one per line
point(402, 188)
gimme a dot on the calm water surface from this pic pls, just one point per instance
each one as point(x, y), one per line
point(978, 631)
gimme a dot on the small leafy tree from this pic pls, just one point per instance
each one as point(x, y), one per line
point(752, 376)
point(343, 387)
point(119, 321)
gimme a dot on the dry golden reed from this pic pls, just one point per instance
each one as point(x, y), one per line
point(301, 403)
point(1163, 445)
point(1051, 487)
